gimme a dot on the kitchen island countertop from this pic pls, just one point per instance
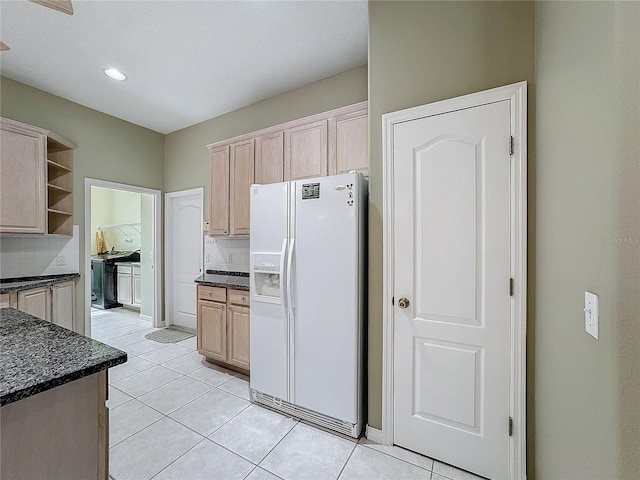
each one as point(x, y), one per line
point(36, 355)
point(26, 283)
point(219, 278)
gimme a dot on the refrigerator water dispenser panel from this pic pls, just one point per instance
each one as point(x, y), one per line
point(266, 272)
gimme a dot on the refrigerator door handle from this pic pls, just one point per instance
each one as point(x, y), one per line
point(283, 276)
point(288, 279)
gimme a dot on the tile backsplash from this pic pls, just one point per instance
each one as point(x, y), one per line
point(31, 256)
point(228, 254)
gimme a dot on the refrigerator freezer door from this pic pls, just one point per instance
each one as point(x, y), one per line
point(269, 325)
point(326, 295)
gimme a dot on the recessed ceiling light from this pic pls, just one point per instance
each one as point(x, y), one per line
point(115, 74)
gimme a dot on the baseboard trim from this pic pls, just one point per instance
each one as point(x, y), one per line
point(373, 434)
point(148, 318)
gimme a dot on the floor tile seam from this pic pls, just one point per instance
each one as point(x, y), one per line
point(188, 353)
point(155, 388)
point(130, 375)
point(266, 454)
point(175, 410)
point(175, 379)
point(155, 475)
point(228, 449)
point(401, 459)
point(345, 463)
point(296, 422)
point(135, 433)
point(231, 393)
point(233, 375)
point(171, 359)
point(230, 418)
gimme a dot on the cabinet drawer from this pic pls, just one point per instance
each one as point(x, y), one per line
point(215, 294)
point(136, 270)
point(124, 269)
point(238, 297)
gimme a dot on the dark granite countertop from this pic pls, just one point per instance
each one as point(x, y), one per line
point(25, 283)
point(219, 278)
point(36, 356)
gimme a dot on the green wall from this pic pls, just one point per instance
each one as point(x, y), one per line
point(108, 149)
point(422, 52)
point(186, 161)
point(582, 62)
point(587, 237)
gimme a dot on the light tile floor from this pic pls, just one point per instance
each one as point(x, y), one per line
point(173, 415)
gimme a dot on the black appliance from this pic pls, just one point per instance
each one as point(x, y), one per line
point(104, 276)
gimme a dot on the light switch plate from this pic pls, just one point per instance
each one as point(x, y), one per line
point(591, 314)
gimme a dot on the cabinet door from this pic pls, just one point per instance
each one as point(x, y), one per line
point(22, 183)
point(136, 290)
point(305, 151)
point(349, 143)
point(212, 330)
point(36, 302)
point(240, 180)
point(219, 191)
point(63, 304)
point(269, 158)
point(238, 336)
point(124, 288)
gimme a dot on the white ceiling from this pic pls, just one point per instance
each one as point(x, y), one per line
point(186, 61)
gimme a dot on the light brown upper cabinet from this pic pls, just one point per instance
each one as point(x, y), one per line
point(36, 185)
point(328, 143)
point(269, 158)
point(349, 143)
point(240, 179)
point(305, 151)
point(219, 192)
point(23, 180)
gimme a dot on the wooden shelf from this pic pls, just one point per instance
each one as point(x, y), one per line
point(53, 164)
point(57, 188)
point(59, 212)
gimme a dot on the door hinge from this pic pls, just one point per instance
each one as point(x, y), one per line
point(393, 301)
point(510, 427)
point(511, 145)
point(511, 287)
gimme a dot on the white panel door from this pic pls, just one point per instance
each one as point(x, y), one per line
point(325, 296)
point(185, 256)
point(452, 263)
point(269, 327)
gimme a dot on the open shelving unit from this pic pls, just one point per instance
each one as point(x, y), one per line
point(59, 185)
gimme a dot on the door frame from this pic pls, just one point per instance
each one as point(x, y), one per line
point(517, 94)
point(168, 242)
point(157, 320)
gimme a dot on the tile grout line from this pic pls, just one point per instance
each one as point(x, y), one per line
point(401, 459)
point(345, 463)
point(297, 422)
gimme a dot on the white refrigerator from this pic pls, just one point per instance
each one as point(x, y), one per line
point(307, 284)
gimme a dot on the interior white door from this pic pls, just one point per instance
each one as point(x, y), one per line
point(185, 257)
point(452, 264)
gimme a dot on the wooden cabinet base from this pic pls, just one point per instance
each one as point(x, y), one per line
point(59, 433)
point(226, 365)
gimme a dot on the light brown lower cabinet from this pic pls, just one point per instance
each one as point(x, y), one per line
point(36, 302)
point(61, 433)
point(212, 330)
point(53, 303)
point(223, 325)
point(238, 336)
